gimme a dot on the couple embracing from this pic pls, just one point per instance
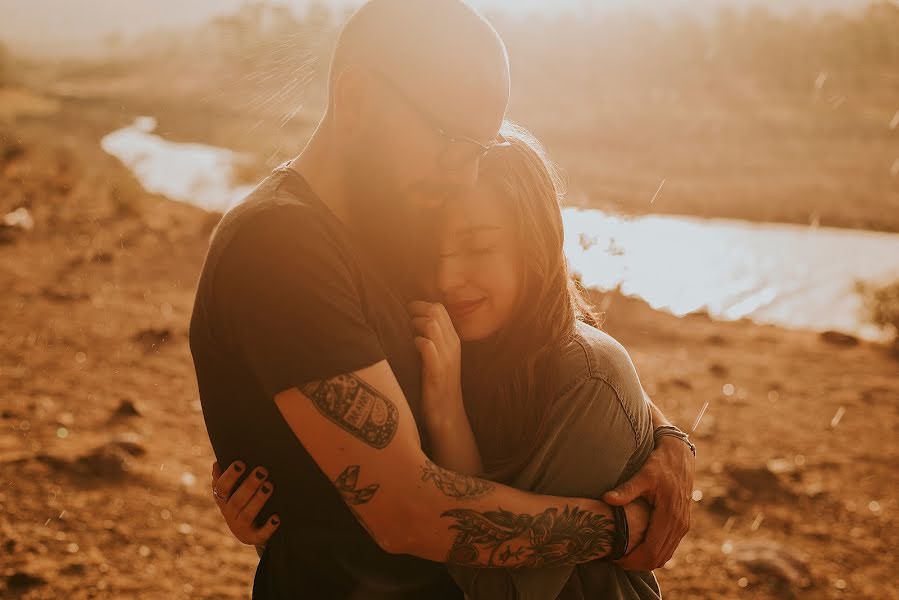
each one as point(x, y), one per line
point(412, 395)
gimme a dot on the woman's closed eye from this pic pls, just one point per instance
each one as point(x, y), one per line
point(479, 250)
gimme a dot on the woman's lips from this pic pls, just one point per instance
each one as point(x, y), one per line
point(463, 309)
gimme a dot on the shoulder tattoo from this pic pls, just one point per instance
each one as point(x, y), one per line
point(356, 407)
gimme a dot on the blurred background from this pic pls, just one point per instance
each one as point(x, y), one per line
point(732, 198)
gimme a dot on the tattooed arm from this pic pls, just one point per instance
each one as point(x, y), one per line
point(359, 429)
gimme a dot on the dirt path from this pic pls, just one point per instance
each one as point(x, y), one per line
point(104, 457)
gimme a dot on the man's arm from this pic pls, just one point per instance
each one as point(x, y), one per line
point(666, 481)
point(658, 419)
point(360, 431)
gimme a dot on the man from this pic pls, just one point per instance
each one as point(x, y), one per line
point(304, 350)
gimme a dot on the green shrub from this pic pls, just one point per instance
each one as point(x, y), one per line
point(881, 305)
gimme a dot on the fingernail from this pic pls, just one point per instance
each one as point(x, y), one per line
point(275, 521)
point(265, 488)
point(260, 474)
point(238, 467)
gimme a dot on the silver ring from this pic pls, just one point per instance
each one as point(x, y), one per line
point(216, 494)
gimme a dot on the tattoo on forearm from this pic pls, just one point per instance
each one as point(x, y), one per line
point(356, 406)
point(549, 539)
point(347, 483)
point(455, 485)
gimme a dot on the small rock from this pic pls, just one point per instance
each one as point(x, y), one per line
point(681, 383)
point(19, 219)
point(152, 339)
point(126, 409)
point(717, 369)
point(21, 581)
point(109, 461)
point(74, 569)
point(101, 256)
point(772, 560)
point(781, 466)
point(838, 338)
point(759, 483)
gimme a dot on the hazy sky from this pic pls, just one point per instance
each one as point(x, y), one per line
point(47, 23)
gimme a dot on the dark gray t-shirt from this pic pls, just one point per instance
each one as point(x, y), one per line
point(286, 297)
point(600, 434)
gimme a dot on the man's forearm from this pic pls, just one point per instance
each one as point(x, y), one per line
point(658, 419)
point(463, 520)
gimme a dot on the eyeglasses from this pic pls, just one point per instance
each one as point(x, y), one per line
point(458, 151)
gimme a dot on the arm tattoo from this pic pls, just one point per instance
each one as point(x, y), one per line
point(545, 540)
point(346, 484)
point(356, 406)
point(455, 485)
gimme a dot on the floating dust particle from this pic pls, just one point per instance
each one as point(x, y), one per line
point(696, 495)
point(757, 522)
point(80, 358)
point(773, 396)
point(654, 196)
point(837, 417)
point(62, 433)
point(728, 389)
point(799, 459)
point(699, 416)
point(727, 547)
point(840, 584)
point(742, 582)
point(874, 506)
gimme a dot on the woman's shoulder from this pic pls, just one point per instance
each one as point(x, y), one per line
point(594, 354)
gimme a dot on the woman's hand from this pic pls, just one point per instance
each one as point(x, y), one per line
point(440, 351)
point(240, 507)
point(452, 441)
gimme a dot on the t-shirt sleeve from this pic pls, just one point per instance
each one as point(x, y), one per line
point(288, 304)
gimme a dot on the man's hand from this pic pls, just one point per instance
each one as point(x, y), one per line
point(666, 481)
point(241, 506)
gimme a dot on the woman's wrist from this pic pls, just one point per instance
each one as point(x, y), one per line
point(444, 407)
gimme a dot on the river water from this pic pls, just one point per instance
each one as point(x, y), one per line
point(787, 275)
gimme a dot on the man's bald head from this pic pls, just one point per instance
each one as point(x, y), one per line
point(435, 49)
point(412, 83)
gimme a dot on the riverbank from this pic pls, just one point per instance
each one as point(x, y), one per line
point(105, 458)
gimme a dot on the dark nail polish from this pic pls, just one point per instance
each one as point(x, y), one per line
point(275, 521)
point(266, 489)
point(260, 474)
point(238, 467)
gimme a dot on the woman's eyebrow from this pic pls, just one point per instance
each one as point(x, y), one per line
point(466, 231)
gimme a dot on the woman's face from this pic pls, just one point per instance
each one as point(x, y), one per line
point(479, 271)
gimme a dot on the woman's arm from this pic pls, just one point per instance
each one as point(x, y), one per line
point(452, 442)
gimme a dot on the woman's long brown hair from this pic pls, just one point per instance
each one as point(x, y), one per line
point(510, 383)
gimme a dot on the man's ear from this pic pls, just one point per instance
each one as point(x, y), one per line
point(351, 90)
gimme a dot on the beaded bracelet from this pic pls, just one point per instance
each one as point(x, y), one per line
point(672, 431)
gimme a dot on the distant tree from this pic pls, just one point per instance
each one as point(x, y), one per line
point(881, 306)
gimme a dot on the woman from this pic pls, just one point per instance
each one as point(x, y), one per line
point(539, 399)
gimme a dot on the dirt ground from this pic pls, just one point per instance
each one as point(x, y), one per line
point(104, 458)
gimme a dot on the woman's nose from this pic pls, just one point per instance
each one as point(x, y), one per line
point(450, 274)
